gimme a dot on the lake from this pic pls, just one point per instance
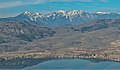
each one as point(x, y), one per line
point(75, 64)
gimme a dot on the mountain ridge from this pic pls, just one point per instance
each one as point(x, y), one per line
point(61, 18)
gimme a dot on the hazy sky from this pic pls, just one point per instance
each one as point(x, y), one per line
point(14, 7)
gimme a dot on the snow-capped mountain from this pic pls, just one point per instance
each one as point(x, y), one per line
point(60, 18)
point(30, 15)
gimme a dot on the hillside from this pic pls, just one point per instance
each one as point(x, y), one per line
point(13, 35)
point(95, 34)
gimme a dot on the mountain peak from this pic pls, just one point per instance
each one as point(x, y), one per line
point(29, 13)
point(30, 16)
point(103, 13)
point(74, 12)
point(26, 12)
point(60, 11)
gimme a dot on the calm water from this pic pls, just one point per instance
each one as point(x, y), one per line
point(75, 64)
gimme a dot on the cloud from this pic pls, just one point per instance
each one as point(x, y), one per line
point(77, 0)
point(19, 3)
point(14, 3)
point(9, 4)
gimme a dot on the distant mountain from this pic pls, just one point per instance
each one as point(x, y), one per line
point(60, 18)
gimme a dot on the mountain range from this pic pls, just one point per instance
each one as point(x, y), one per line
point(32, 30)
point(61, 18)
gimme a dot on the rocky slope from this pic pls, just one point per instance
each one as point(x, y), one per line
point(13, 35)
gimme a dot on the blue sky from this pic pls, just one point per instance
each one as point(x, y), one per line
point(10, 8)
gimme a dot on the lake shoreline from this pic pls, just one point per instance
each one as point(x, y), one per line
point(27, 57)
point(35, 61)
